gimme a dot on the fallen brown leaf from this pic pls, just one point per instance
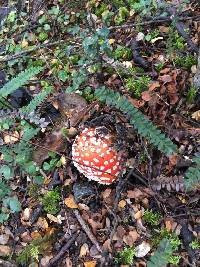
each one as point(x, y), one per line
point(70, 202)
point(4, 250)
point(90, 263)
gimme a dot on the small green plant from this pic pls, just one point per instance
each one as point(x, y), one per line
point(123, 53)
point(122, 15)
point(34, 249)
point(144, 127)
point(152, 34)
point(176, 41)
point(164, 254)
point(191, 95)
point(159, 66)
point(185, 62)
point(125, 256)
point(192, 176)
point(54, 162)
point(152, 218)
point(195, 244)
point(50, 201)
point(137, 86)
point(164, 233)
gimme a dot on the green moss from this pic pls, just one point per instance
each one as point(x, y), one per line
point(123, 53)
point(50, 201)
point(185, 62)
point(125, 256)
point(34, 249)
point(137, 86)
point(191, 95)
point(153, 218)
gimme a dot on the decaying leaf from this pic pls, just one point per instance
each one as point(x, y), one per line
point(90, 263)
point(122, 204)
point(196, 115)
point(4, 250)
point(70, 202)
point(84, 250)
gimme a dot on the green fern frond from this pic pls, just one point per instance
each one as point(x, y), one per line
point(144, 126)
point(37, 100)
point(192, 176)
point(19, 81)
point(162, 254)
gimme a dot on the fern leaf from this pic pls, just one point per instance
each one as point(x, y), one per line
point(192, 176)
point(37, 100)
point(161, 256)
point(144, 126)
point(19, 81)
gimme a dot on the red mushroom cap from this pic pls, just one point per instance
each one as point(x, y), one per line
point(94, 156)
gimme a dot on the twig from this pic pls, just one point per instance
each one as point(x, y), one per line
point(154, 21)
point(27, 51)
point(87, 230)
point(63, 250)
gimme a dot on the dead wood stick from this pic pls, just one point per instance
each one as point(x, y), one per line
point(87, 230)
point(63, 250)
point(153, 21)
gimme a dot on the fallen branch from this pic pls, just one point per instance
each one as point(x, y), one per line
point(61, 253)
point(87, 230)
point(30, 50)
point(149, 22)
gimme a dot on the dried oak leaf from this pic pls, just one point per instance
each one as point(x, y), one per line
point(70, 202)
point(196, 115)
point(55, 141)
point(71, 105)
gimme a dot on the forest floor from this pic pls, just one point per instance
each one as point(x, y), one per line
point(147, 51)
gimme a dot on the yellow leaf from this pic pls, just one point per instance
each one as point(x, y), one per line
point(90, 263)
point(24, 43)
point(122, 204)
point(196, 115)
point(63, 160)
point(111, 41)
point(70, 202)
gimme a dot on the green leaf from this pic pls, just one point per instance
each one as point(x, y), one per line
point(13, 203)
point(19, 80)
point(144, 126)
point(6, 171)
point(3, 217)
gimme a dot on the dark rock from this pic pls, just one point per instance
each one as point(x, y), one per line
point(84, 192)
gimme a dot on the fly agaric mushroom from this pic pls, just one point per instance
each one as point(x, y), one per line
point(94, 156)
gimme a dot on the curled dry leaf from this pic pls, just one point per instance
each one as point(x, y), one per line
point(70, 202)
point(196, 115)
point(153, 86)
point(84, 250)
point(11, 138)
point(130, 238)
